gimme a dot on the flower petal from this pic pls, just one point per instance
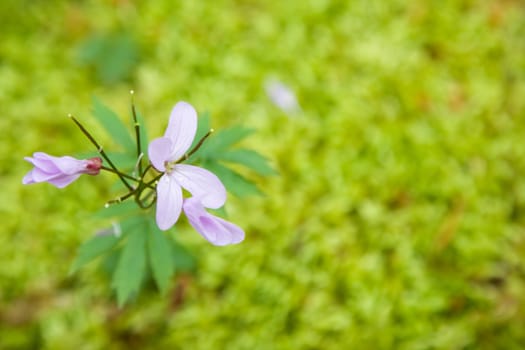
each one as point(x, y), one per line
point(214, 229)
point(202, 184)
point(169, 202)
point(159, 152)
point(69, 165)
point(28, 178)
point(181, 129)
point(58, 171)
point(40, 175)
point(43, 161)
point(64, 165)
point(64, 180)
point(58, 180)
point(235, 233)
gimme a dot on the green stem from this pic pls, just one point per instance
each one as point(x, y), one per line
point(101, 152)
point(196, 148)
point(120, 199)
point(111, 170)
point(141, 202)
point(137, 132)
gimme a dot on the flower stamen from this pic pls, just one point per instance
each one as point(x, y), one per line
point(170, 166)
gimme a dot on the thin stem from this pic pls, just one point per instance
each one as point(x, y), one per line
point(119, 173)
point(196, 148)
point(137, 132)
point(141, 202)
point(138, 164)
point(146, 170)
point(155, 179)
point(119, 199)
point(127, 176)
point(100, 150)
point(149, 195)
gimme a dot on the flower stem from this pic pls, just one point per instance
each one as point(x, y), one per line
point(119, 199)
point(196, 148)
point(138, 190)
point(111, 170)
point(155, 179)
point(137, 132)
point(142, 201)
point(101, 151)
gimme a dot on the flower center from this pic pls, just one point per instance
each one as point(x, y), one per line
point(170, 166)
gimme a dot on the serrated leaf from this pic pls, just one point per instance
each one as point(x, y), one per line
point(113, 125)
point(131, 266)
point(249, 159)
point(160, 257)
point(93, 248)
point(234, 182)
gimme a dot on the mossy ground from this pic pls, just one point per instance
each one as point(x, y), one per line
point(397, 220)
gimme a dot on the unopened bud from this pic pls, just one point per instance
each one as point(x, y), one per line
point(93, 166)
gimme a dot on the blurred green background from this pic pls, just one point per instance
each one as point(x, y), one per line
point(397, 220)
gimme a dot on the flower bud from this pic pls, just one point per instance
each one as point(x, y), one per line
point(93, 165)
point(59, 171)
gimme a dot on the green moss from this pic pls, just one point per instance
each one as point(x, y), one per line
point(396, 221)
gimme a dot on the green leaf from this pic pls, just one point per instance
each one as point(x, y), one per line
point(217, 148)
point(133, 223)
point(160, 257)
point(183, 260)
point(220, 212)
point(113, 125)
point(126, 162)
point(220, 141)
point(131, 266)
point(112, 56)
point(234, 182)
point(109, 261)
point(125, 208)
point(249, 159)
point(93, 248)
point(203, 126)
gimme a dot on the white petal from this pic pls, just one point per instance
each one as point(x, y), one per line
point(69, 165)
point(202, 184)
point(181, 128)
point(216, 230)
point(235, 233)
point(28, 178)
point(64, 180)
point(159, 151)
point(169, 202)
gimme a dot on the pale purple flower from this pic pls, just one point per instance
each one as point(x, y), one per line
point(216, 230)
point(59, 171)
point(282, 96)
point(165, 152)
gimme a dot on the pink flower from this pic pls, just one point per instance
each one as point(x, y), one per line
point(59, 171)
point(165, 153)
point(216, 230)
